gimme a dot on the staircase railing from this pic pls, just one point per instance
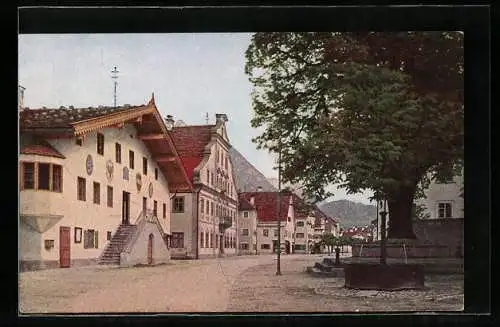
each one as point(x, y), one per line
point(144, 217)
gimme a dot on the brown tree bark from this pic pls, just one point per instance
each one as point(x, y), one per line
point(400, 213)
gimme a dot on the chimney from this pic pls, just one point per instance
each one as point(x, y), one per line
point(221, 117)
point(252, 200)
point(21, 97)
point(259, 188)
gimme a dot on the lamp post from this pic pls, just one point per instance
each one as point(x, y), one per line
point(278, 213)
point(383, 252)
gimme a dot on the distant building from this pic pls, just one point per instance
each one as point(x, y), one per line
point(443, 200)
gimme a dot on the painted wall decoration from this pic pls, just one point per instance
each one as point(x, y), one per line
point(78, 235)
point(150, 190)
point(138, 181)
point(89, 164)
point(109, 170)
point(125, 173)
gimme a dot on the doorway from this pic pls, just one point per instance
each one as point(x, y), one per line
point(126, 208)
point(150, 249)
point(64, 247)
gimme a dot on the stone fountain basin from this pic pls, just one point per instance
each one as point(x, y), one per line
point(376, 276)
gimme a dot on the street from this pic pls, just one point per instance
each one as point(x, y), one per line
point(233, 284)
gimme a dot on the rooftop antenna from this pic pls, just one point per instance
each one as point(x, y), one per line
point(206, 118)
point(114, 76)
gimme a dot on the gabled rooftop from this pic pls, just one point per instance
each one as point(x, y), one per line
point(266, 202)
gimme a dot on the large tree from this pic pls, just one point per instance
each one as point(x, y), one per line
point(371, 111)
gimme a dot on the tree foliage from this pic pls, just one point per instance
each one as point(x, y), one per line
point(371, 111)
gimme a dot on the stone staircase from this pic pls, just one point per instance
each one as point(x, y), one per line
point(111, 253)
point(326, 268)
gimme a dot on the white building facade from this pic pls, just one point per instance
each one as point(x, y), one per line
point(205, 222)
point(85, 172)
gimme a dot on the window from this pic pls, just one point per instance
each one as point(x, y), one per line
point(226, 163)
point(90, 239)
point(81, 189)
point(244, 232)
point(108, 236)
point(212, 181)
point(208, 176)
point(144, 165)
point(245, 214)
point(156, 174)
point(202, 205)
point(265, 232)
point(202, 239)
point(56, 178)
point(28, 175)
point(164, 210)
point(265, 246)
point(207, 207)
point(131, 159)
point(177, 240)
point(110, 196)
point(118, 152)
point(155, 208)
point(179, 204)
point(244, 246)
point(97, 193)
point(79, 141)
point(444, 210)
point(43, 176)
point(212, 208)
point(206, 240)
point(300, 224)
point(144, 204)
point(300, 247)
point(100, 143)
point(299, 235)
point(275, 232)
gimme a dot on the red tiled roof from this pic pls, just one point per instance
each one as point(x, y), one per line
point(190, 142)
point(265, 204)
point(41, 148)
point(244, 204)
point(64, 117)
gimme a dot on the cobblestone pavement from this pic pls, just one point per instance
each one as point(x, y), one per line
point(235, 284)
point(296, 291)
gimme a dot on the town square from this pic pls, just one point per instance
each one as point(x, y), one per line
point(241, 172)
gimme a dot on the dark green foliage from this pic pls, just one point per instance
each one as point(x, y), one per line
point(371, 111)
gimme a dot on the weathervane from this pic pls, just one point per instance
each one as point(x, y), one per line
point(114, 76)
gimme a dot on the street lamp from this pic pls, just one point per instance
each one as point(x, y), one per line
point(278, 213)
point(383, 249)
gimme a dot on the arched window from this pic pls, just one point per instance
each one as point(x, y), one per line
point(202, 240)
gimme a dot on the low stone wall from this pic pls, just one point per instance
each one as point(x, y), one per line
point(437, 238)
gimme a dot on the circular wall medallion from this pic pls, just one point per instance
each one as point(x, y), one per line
point(89, 164)
point(125, 173)
point(109, 169)
point(150, 190)
point(138, 181)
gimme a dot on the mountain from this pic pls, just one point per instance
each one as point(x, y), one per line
point(350, 213)
point(248, 178)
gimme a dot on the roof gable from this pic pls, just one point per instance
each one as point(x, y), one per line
point(146, 118)
point(265, 204)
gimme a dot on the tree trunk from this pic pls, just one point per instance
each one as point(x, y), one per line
point(400, 214)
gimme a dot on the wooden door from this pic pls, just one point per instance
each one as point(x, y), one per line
point(126, 208)
point(64, 247)
point(150, 249)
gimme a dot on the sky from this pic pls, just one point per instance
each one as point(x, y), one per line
point(191, 74)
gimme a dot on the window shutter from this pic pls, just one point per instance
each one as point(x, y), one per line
point(96, 239)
